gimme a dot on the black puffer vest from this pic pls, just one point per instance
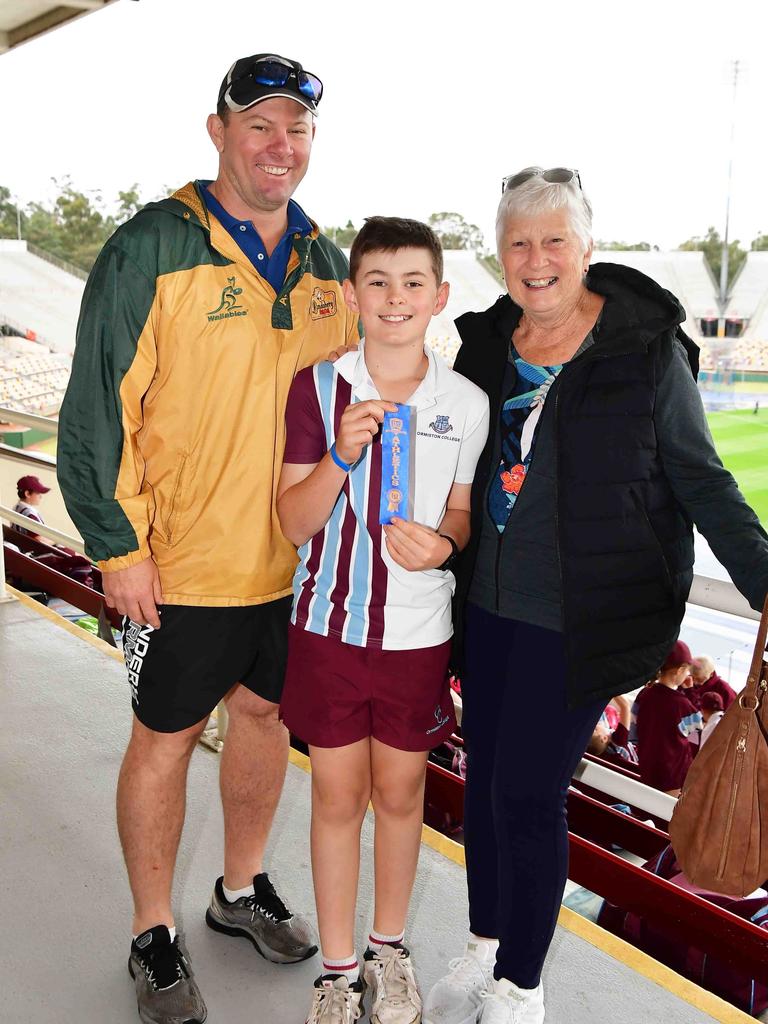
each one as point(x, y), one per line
point(625, 546)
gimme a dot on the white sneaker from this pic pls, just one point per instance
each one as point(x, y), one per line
point(336, 1001)
point(505, 1003)
point(395, 997)
point(457, 998)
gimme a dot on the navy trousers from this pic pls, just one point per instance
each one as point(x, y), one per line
point(523, 744)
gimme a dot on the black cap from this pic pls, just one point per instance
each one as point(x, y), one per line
point(240, 90)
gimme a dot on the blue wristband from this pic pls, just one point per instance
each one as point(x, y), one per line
point(338, 460)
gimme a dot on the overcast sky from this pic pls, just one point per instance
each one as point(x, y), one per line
point(427, 104)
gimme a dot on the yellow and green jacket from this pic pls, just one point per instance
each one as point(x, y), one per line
point(172, 429)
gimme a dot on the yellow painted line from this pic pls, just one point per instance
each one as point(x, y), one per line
point(588, 931)
point(65, 624)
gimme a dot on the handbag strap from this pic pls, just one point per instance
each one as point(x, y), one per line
point(758, 659)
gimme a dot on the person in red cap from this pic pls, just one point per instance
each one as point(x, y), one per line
point(30, 491)
point(665, 721)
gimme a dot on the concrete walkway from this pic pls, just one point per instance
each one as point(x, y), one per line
point(65, 902)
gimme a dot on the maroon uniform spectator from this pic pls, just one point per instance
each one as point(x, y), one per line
point(711, 712)
point(665, 720)
point(706, 680)
point(30, 491)
point(611, 742)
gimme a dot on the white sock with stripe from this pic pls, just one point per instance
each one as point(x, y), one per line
point(346, 966)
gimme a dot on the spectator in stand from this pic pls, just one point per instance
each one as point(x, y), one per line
point(711, 712)
point(613, 744)
point(706, 680)
point(30, 491)
point(665, 721)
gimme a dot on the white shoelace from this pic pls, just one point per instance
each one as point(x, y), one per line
point(396, 984)
point(334, 1006)
point(466, 972)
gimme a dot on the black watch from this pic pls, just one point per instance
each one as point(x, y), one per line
point(451, 559)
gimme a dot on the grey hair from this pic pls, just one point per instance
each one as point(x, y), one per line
point(539, 196)
point(706, 662)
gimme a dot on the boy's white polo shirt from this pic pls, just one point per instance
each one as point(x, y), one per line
point(347, 584)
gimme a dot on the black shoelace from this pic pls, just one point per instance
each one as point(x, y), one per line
point(163, 965)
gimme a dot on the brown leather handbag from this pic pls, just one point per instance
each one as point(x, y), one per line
point(719, 830)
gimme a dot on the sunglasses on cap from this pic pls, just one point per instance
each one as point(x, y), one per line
point(276, 73)
point(554, 175)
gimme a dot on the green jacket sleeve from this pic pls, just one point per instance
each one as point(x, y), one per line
point(100, 468)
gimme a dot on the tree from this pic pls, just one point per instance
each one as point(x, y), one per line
point(343, 237)
point(759, 244)
point(8, 214)
point(455, 233)
point(712, 247)
point(129, 204)
point(625, 246)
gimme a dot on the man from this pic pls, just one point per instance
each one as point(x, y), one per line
point(197, 315)
point(30, 491)
point(706, 680)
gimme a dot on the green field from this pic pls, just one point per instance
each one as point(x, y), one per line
point(741, 438)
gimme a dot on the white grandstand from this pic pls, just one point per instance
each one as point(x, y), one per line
point(749, 303)
point(40, 298)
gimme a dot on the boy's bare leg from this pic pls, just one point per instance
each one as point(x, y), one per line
point(341, 789)
point(151, 800)
point(398, 804)
point(251, 776)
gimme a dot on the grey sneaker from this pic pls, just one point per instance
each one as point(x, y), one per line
point(279, 935)
point(166, 992)
point(335, 1000)
point(395, 997)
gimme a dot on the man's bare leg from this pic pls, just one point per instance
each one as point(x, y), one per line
point(253, 764)
point(151, 801)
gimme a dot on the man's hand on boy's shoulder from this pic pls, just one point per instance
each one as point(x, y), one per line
point(340, 351)
point(416, 547)
point(359, 424)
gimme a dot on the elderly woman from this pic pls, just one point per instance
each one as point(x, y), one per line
point(574, 584)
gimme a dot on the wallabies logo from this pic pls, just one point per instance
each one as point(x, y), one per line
point(228, 306)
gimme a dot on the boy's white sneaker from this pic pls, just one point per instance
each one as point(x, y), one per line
point(457, 998)
point(335, 1000)
point(505, 1003)
point(389, 975)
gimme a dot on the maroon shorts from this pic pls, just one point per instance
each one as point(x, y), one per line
point(336, 693)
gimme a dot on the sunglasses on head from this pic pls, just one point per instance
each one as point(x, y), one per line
point(273, 71)
point(554, 175)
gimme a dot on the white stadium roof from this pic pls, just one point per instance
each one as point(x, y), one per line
point(23, 20)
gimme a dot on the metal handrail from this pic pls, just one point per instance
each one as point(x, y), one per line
point(630, 791)
point(40, 528)
point(28, 419)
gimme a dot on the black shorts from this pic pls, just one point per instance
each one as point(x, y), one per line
point(180, 672)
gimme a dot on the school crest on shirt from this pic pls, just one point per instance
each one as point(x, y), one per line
point(441, 425)
point(322, 304)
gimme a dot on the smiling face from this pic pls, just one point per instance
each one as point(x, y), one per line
point(544, 263)
point(396, 294)
point(263, 153)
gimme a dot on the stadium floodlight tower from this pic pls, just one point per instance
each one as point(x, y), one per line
point(723, 296)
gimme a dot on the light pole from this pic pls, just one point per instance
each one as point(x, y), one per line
point(724, 257)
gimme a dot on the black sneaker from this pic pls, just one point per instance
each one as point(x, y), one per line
point(166, 992)
point(279, 935)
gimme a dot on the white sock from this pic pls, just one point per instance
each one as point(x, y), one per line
point(171, 931)
point(376, 940)
point(347, 966)
point(235, 894)
point(483, 950)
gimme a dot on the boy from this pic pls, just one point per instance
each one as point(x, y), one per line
point(665, 721)
point(366, 685)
